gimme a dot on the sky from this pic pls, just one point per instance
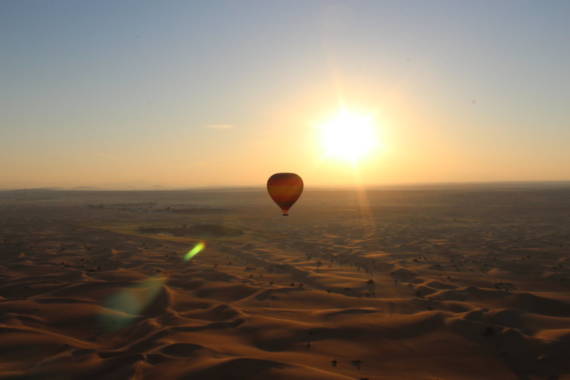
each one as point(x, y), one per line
point(176, 94)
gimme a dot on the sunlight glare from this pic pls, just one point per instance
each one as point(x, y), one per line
point(349, 136)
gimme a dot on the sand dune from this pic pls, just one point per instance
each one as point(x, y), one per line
point(104, 292)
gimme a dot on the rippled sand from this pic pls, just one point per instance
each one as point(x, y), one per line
point(470, 283)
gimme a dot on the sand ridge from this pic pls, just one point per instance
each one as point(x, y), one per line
point(93, 286)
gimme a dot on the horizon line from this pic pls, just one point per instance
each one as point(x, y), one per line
point(318, 187)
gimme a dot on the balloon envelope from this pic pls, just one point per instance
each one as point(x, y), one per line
point(285, 189)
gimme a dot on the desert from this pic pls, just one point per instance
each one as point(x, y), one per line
point(438, 283)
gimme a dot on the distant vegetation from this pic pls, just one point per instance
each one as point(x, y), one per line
point(151, 207)
point(193, 230)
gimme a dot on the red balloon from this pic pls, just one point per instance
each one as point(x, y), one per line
point(285, 189)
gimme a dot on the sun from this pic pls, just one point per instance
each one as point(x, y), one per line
point(349, 136)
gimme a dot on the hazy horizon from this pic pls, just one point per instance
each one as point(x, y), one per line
point(118, 94)
point(262, 187)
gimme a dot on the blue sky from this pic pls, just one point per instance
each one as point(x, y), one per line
point(132, 93)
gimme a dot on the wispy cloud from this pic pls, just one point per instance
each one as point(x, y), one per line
point(220, 126)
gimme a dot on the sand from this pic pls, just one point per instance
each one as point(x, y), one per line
point(470, 283)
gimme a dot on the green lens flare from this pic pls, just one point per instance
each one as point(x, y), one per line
point(123, 308)
point(194, 251)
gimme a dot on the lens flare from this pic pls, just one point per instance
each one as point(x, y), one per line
point(194, 251)
point(123, 308)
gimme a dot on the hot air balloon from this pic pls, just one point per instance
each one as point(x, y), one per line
point(285, 189)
